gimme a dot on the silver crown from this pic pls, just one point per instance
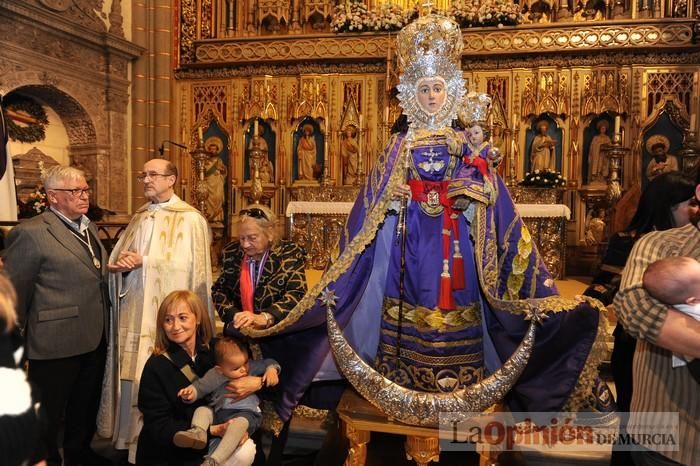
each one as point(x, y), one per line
point(475, 108)
point(430, 47)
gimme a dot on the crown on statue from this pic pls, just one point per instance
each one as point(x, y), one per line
point(430, 47)
point(475, 108)
point(429, 41)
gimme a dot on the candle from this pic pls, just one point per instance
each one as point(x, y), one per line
point(692, 123)
point(361, 125)
point(201, 134)
point(617, 125)
point(515, 120)
point(255, 127)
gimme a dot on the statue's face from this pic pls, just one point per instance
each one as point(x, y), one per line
point(658, 151)
point(476, 135)
point(431, 94)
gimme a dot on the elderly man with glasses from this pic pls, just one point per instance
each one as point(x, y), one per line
point(57, 264)
point(164, 248)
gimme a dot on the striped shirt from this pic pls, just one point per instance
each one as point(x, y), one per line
point(658, 387)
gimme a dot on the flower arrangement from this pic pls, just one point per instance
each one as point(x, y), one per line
point(36, 204)
point(465, 12)
point(498, 13)
point(353, 15)
point(543, 179)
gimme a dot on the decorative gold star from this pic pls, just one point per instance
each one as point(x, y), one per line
point(328, 297)
point(536, 314)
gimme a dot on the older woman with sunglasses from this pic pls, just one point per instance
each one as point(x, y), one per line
point(263, 276)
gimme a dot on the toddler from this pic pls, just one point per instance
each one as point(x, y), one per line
point(231, 363)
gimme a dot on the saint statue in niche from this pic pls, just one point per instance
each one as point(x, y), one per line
point(350, 155)
point(264, 166)
point(543, 152)
point(306, 153)
point(597, 162)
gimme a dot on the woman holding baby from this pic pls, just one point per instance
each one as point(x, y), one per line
point(183, 351)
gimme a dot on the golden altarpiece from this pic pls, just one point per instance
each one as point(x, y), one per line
point(272, 78)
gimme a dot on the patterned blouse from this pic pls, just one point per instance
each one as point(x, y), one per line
point(279, 288)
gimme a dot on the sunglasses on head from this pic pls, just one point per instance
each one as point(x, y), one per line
point(254, 212)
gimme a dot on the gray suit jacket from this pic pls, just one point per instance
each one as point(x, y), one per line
point(62, 305)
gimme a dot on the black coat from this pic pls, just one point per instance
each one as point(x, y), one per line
point(19, 433)
point(163, 412)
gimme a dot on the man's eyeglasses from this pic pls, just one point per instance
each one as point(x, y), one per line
point(74, 192)
point(254, 212)
point(143, 175)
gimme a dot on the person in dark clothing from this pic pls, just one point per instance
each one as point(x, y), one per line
point(183, 351)
point(19, 417)
point(667, 202)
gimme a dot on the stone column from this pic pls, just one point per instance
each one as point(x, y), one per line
point(152, 76)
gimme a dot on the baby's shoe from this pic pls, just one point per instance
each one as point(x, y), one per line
point(194, 437)
point(209, 461)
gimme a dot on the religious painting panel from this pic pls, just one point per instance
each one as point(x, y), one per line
point(661, 141)
point(597, 134)
point(216, 173)
point(265, 143)
point(308, 149)
point(543, 140)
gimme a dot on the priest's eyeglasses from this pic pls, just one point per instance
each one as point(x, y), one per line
point(74, 192)
point(254, 212)
point(151, 175)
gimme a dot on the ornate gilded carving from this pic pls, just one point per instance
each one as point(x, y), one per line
point(188, 30)
point(272, 14)
point(525, 195)
point(605, 91)
point(293, 49)
point(546, 92)
point(357, 454)
point(422, 450)
point(663, 84)
point(205, 25)
point(517, 41)
point(586, 58)
point(325, 194)
point(211, 97)
point(579, 38)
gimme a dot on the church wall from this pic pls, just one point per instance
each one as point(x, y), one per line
point(74, 61)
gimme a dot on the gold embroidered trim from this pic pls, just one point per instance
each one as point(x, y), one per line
point(428, 380)
point(271, 421)
point(435, 319)
point(310, 413)
point(432, 344)
point(433, 360)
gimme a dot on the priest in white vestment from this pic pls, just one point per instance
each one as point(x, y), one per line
point(164, 248)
